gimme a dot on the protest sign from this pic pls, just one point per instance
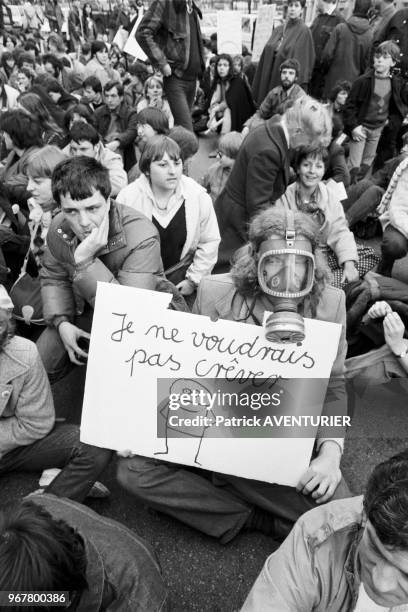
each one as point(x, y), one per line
point(132, 47)
point(229, 32)
point(120, 38)
point(150, 368)
point(263, 29)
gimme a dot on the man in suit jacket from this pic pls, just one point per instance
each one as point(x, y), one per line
point(261, 171)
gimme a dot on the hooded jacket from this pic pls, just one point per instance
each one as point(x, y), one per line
point(347, 52)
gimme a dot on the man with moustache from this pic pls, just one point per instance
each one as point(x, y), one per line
point(282, 96)
point(29, 438)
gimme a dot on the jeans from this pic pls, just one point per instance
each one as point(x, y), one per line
point(363, 198)
point(80, 464)
point(52, 351)
point(218, 505)
point(394, 246)
point(180, 95)
point(363, 152)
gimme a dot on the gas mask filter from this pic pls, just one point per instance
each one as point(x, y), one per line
point(286, 269)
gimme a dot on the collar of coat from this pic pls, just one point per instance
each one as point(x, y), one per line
point(180, 5)
point(116, 235)
point(12, 360)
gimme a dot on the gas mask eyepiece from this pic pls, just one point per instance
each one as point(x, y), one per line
point(286, 269)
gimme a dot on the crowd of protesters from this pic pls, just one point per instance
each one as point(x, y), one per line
point(95, 185)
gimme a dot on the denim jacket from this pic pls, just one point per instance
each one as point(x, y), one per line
point(122, 570)
point(316, 567)
point(164, 34)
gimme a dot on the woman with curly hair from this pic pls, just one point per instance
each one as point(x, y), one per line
point(234, 503)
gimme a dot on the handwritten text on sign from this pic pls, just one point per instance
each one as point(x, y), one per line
point(135, 341)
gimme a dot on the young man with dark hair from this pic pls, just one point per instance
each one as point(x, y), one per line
point(346, 54)
point(29, 438)
point(92, 92)
point(117, 124)
point(85, 140)
point(52, 544)
point(92, 239)
point(350, 554)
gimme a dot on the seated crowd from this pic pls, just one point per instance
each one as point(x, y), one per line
point(96, 184)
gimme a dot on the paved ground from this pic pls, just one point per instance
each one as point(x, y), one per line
point(202, 575)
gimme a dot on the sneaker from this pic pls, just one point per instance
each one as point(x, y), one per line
point(98, 491)
point(47, 477)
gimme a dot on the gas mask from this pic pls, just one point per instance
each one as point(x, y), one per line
point(286, 269)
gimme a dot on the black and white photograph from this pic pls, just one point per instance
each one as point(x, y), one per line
point(204, 305)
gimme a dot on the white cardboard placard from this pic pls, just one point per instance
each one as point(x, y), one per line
point(135, 341)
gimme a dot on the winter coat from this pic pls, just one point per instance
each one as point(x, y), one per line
point(292, 40)
point(379, 26)
point(316, 567)
point(334, 232)
point(259, 176)
point(128, 126)
point(321, 29)
point(337, 166)
point(103, 73)
point(26, 404)
point(131, 257)
point(347, 52)
point(278, 100)
point(202, 237)
point(75, 25)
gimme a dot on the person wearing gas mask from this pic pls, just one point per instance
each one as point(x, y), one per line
point(280, 271)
